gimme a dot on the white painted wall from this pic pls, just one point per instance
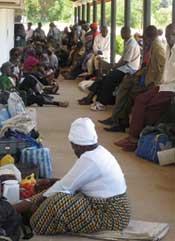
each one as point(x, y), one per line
point(6, 33)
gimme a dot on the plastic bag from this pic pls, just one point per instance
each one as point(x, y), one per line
point(15, 104)
point(4, 115)
point(10, 169)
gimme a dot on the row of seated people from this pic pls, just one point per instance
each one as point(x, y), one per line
point(91, 50)
point(33, 72)
point(142, 94)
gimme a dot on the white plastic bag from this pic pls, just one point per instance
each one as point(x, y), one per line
point(15, 104)
point(10, 169)
point(33, 114)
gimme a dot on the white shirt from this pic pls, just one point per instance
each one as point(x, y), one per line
point(168, 82)
point(29, 34)
point(102, 44)
point(96, 173)
point(131, 55)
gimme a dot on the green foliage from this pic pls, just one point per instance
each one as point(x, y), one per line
point(48, 10)
point(60, 11)
point(165, 19)
point(53, 10)
point(119, 45)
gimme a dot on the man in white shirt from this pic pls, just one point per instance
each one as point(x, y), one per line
point(129, 63)
point(101, 49)
point(90, 197)
point(29, 32)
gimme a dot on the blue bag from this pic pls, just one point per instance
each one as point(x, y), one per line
point(40, 157)
point(4, 115)
point(151, 143)
point(30, 140)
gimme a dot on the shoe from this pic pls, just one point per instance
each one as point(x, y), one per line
point(85, 101)
point(129, 147)
point(122, 142)
point(107, 121)
point(114, 128)
point(97, 106)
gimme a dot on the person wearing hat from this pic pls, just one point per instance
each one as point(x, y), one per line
point(91, 197)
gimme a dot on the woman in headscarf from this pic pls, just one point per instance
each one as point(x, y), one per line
point(32, 85)
point(91, 197)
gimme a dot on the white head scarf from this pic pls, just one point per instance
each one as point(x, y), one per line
point(82, 132)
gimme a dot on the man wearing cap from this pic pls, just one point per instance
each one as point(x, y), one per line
point(90, 197)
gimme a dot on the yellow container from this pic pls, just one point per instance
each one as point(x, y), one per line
point(6, 160)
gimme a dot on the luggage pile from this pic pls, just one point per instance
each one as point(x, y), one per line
point(21, 151)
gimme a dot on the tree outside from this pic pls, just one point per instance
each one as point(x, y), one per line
point(56, 10)
point(62, 10)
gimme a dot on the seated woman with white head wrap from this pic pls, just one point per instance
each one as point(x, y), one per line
point(90, 197)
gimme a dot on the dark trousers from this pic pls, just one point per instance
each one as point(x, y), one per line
point(105, 87)
point(109, 83)
point(128, 90)
point(148, 109)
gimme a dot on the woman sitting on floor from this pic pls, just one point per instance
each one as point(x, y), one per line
point(91, 197)
point(33, 87)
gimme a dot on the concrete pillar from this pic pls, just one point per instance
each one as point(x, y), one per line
point(173, 12)
point(94, 11)
point(147, 13)
point(103, 13)
point(7, 33)
point(128, 13)
point(75, 14)
point(113, 30)
point(79, 13)
point(83, 12)
point(88, 13)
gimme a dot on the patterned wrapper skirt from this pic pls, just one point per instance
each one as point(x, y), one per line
point(77, 213)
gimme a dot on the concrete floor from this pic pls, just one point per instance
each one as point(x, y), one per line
point(151, 188)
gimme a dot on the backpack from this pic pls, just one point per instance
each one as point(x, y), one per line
point(10, 221)
point(151, 143)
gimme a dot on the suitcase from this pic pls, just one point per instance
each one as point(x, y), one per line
point(12, 146)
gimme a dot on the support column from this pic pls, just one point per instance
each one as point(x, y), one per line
point(88, 14)
point(79, 13)
point(127, 13)
point(7, 33)
point(83, 11)
point(94, 11)
point(173, 12)
point(147, 13)
point(75, 14)
point(103, 13)
point(113, 30)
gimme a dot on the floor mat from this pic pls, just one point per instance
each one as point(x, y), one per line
point(136, 231)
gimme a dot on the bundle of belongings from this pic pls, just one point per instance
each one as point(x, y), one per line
point(157, 144)
point(23, 160)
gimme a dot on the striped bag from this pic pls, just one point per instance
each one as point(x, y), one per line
point(40, 157)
